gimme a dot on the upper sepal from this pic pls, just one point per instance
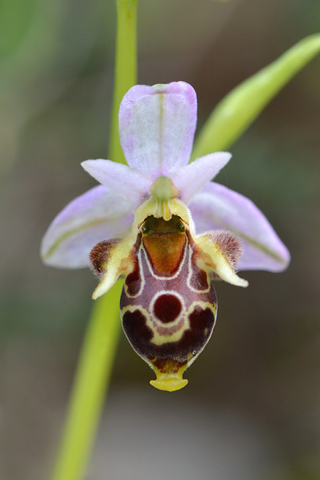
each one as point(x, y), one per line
point(156, 127)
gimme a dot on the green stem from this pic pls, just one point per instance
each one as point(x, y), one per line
point(101, 338)
point(125, 67)
point(91, 381)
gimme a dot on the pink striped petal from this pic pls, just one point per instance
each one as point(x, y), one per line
point(156, 127)
point(217, 207)
point(98, 214)
point(130, 184)
point(194, 177)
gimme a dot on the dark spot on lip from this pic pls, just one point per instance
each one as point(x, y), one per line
point(201, 320)
point(134, 325)
point(167, 308)
point(199, 278)
point(133, 280)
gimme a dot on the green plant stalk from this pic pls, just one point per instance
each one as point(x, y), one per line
point(125, 67)
point(101, 338)
point(91, 380)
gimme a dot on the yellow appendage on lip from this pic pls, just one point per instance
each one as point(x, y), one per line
point(169, 378)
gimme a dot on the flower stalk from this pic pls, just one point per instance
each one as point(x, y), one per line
point(101, 338)
point(90, 385)
point(125, 67)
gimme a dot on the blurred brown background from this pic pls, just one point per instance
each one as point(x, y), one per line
point(252, 406)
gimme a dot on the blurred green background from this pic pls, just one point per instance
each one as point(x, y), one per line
point(251, 409)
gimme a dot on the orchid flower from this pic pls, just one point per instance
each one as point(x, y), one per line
point(161, 223)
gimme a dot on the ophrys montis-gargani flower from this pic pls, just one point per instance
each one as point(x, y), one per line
point(166, 228)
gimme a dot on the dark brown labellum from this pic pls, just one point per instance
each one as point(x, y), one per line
point(168, 304)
